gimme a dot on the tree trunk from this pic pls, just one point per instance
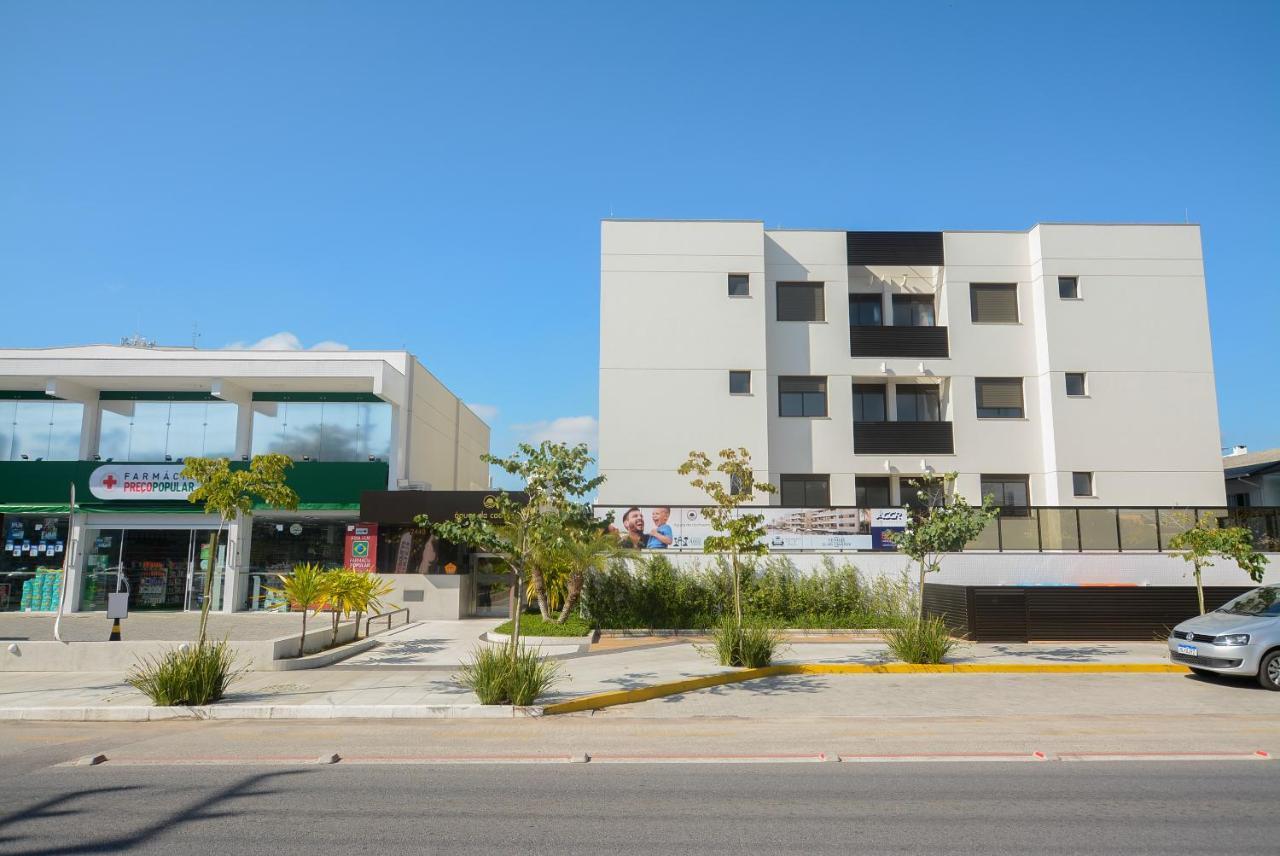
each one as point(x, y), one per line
point(333, 638)
point(924, 571)
point(572, 593)
point(302, 643)
point(540, 591)
point(737, 591)
point(1199, 589)
point(208, 580)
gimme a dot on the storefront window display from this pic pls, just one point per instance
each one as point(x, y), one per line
point(40, 430)
point(279, 544)
point(31, 565)
point(161, 569)
point(407, 549)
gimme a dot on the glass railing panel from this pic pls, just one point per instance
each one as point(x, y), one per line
point(1098, 529)
point(1058, 529)
point(1138, 529)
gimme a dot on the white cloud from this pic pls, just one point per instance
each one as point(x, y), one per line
point(487, 412)
point(286, 341)
point(563, 429)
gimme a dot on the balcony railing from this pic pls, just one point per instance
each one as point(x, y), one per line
point(903, 438)
point(898, 342)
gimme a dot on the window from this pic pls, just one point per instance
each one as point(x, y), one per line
point(918, 403)
point(1007, 491)
point(33, 430)
point(868, 402)
point(993, 303)
point(999, 397)
point(138, 430)
point(806, 491)
point(913, 310)
point(802, 396)
point(1069, 287)
point(736, 487)
point(865, 310)
point(1082, 484)
point(322, 430)
point(1240, 500)
point(871, 492)
point(739, 285)
point(801, 301)
point(1075, 383)
point(739, 383)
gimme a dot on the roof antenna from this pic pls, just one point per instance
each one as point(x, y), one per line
point(1186, 215)
point(195, 334)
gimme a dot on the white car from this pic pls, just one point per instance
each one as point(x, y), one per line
point(1241, 637)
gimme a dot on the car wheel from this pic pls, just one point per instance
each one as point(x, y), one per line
point(1269, 671)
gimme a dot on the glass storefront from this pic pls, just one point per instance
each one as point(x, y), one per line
point(40, 430)
point(277, 544)
point(323, 430)
point(164, 430)
point(161, 569)
point(31, 565)
point(492, 587)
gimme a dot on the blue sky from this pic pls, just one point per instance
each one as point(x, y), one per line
point(432, 176)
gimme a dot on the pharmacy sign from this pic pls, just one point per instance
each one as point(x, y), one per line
point(140, 481)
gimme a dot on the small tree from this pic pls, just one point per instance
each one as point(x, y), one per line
point(946, 525)
point(366, 594)
point(554, 476)
point(229, 493)
point(586, 551)
point(304, 588)
point(1202, 544)
point(738, 534)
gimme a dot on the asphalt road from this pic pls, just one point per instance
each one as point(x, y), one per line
point(1013, 808)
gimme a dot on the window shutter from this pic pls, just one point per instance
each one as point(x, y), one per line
point(999, 392)
point(989, 302)
point(801, 301)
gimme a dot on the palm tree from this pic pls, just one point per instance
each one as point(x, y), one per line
point(366, 593)
point(589, 552)
point(304, 588)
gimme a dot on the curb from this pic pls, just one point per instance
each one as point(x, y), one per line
point(140, 713)
point(596, 701)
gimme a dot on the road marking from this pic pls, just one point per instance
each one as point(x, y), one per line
point(709, 759)
point(945, 756)
point(1164, 756)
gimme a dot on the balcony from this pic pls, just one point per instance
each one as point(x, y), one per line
point(898, 342)
point(903, 438)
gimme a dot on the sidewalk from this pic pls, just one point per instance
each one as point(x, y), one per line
point(382, 686)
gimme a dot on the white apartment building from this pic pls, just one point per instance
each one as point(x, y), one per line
point(1065, 365)
point(117, 422)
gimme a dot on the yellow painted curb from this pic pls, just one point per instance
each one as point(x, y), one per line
point(595, 701)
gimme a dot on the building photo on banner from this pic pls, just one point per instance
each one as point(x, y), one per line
point(664, 527)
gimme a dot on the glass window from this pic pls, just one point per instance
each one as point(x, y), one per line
point(806, 491)
point(1082, 484)
point(739, 285)
point(31, 563)
point(918, 403)
point(736, 487)
point(999, 397)
point(739, 383)
point(802, 396)
point(40, 430)
point(160, 430)
point(871, 491)
point(322, 430)
point(868, 402)
point(1069, 287)
point(801, 301)
point(865, 310)
point(1075, 383)
point(913, 310)
point(1008, 491)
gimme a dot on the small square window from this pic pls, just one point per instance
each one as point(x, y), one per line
point(1082, 484)
point(1069, 287)
point(1075, 383)
point(739, 383)
point(739, 285)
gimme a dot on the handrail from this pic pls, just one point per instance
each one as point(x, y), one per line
point(387, 616)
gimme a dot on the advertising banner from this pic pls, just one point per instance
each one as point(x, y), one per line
point(360, 551)
point(886, 520)
point(685, 528)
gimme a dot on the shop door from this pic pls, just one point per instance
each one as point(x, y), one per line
point(161, 569)
point(198, 566)
point(492, 587)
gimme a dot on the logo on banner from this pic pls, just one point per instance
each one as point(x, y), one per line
point(362, 547)
point(885, 520)
point(139, 481)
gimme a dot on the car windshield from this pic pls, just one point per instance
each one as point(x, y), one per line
point(1262, 601)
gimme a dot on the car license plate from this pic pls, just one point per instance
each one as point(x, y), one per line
point(1188, 649)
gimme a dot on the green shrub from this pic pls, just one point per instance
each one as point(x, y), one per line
point(921, 640)
point(533, 624)
point(498, 678)
point(751, 646)
point(198, 675)
point(649, 592)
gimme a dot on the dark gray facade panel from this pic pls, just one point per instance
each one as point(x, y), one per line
point(903, 438)
point(898, 342)
point(895, 248)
